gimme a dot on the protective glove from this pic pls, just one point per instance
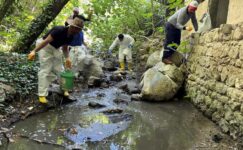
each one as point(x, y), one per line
point(31, 55)
point(130, 46)
point(189, 28)
point(68, 63)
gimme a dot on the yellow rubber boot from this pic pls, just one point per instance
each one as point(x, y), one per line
point(43, 100)
point(130, 66)
point(66, 93)
point(122, 66)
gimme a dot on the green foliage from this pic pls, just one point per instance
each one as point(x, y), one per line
point(184, 47)
point(10, 35)
point(110, 18)
point(17, 72)
point(175, 3)
point(17, 21)
point(122, 16)
point(65, 13)
point(161, 29)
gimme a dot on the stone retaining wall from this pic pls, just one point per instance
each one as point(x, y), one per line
point(215, 81)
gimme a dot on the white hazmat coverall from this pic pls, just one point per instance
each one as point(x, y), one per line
point(50, 60)
point(77, 54)
point(125, 50)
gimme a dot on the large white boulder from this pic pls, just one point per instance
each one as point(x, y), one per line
point(161, 82)
point(156, 57)
point(153, 59)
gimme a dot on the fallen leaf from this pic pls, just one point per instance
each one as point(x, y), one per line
point(73, 131)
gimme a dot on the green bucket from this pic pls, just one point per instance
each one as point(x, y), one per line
point(67, 79)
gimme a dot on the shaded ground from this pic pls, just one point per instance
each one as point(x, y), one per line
point(119, 124)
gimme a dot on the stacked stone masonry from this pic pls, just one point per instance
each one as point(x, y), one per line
point(215, 80)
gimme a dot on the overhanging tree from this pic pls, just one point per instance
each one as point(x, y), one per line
point(38, 25)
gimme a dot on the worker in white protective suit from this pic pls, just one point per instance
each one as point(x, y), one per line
point(77, 54)
point(78, 48)
point(50, 55)
point(125, 43)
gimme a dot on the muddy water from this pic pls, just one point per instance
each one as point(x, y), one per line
point(166, 126)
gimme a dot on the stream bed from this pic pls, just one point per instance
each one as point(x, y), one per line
point(108, 119)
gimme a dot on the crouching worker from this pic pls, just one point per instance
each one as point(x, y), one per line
point(78, 48)
point(50, 56)
point(77, 52)
point(173, 28)
point(125, 43)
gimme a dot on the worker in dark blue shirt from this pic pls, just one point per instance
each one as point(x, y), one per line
point(50, 56)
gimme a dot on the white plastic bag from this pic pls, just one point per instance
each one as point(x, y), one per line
point(205, 23)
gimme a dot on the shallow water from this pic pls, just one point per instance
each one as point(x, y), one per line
point(141, 125)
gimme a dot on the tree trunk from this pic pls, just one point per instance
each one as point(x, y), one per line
point(152, 10)
point(218, 16)
point(5, 5)
point(38, 25)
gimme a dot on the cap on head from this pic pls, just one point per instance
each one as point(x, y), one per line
point(193, 4)
point(77, 22)
point(76, 9)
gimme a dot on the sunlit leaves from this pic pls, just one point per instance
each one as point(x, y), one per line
point(114, 17)
point(148, 15)
point(23, 12)
point(175, 3)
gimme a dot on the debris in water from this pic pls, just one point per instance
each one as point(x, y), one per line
point(120, 101)
point(95, 105)
point(112, 111)
point(73, 130)
point(100, 94)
